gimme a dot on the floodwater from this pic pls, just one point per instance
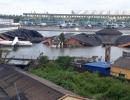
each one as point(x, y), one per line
point(53, 53)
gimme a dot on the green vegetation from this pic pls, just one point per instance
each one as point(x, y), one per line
point(62, 40)
point(86, 84)
point(3, 56)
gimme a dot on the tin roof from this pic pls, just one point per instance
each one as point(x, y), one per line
point(30, 87)
point(23, 34)
point(88, 39)
point(123, 39)
point(109, 31)
point(3, 95)
point(122, 62)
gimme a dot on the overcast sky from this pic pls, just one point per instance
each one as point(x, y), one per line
point(60, 6)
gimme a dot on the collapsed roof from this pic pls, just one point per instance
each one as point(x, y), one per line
point(108, 31)
point(24, 34)
point(87, 39)
point(123, 39)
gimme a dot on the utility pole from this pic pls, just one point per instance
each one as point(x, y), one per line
point(17, 93)
point(107, 53)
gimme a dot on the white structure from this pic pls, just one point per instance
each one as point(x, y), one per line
point(5, 21)
point(15, 42)
point(103, 12)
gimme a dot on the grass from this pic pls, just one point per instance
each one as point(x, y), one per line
point(90, 85)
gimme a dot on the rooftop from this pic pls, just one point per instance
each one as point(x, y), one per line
point(30, 87)
point(123, 39)
point(124, 61)
point(88, 39)
point(23, 34)
point(109, 31)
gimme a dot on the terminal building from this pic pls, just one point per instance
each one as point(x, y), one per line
point(4, 21)
point(94, 18)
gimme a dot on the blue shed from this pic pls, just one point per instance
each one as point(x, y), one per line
point(100, 67)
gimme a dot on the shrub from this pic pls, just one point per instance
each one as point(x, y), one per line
point(42, 60)
point(64, 61)
point(86, 84)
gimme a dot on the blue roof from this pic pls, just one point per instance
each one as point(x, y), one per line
point(99, 64)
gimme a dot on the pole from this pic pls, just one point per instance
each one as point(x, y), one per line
point(18, 97)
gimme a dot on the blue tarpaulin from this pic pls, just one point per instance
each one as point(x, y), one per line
point(100, 67)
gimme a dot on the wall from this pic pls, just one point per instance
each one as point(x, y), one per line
point(72, 42)
point(116, 70)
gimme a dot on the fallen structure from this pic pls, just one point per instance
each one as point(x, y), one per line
point(123, 41)
point(15, 42)
point(108, 36)
point(15, 83)
point(23, 34)
point(83, 40)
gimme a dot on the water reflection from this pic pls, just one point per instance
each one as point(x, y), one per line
point(53, 53)
point(54, 33)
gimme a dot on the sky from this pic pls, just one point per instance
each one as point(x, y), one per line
point(60, 6)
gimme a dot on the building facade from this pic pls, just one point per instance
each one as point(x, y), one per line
point(121, 67)
point(4, 21)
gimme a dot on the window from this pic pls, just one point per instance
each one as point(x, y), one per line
point(121, 76)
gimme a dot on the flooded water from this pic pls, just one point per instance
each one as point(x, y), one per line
point(7, 29)
point(52, 53)
point(54, 33)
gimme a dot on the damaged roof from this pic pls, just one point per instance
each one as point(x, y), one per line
point(87, 39)
point(109, 31)
point(23, 34)
point(123, 39)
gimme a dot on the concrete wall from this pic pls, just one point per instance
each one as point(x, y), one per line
point(115, 71)
point(72, 42)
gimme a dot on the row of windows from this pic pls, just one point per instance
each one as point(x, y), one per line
point(49, 16)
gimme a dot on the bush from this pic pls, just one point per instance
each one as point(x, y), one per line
point(118, 91)
point(42, 60)
point(85, 84)
point(64, 61)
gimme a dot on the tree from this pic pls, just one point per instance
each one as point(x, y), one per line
point(42, 60)
point(62, 40)
point(3, 56)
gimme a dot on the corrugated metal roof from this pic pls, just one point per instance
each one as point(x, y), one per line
point(30, 87)
point(3, 95)
point(122, 62)
point(123, 39)
point(23, 34)
point(109, 31)
point(88, 39)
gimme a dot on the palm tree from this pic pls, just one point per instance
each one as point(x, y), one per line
point(62, 40)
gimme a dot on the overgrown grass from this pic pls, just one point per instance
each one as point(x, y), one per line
point(86, 84)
